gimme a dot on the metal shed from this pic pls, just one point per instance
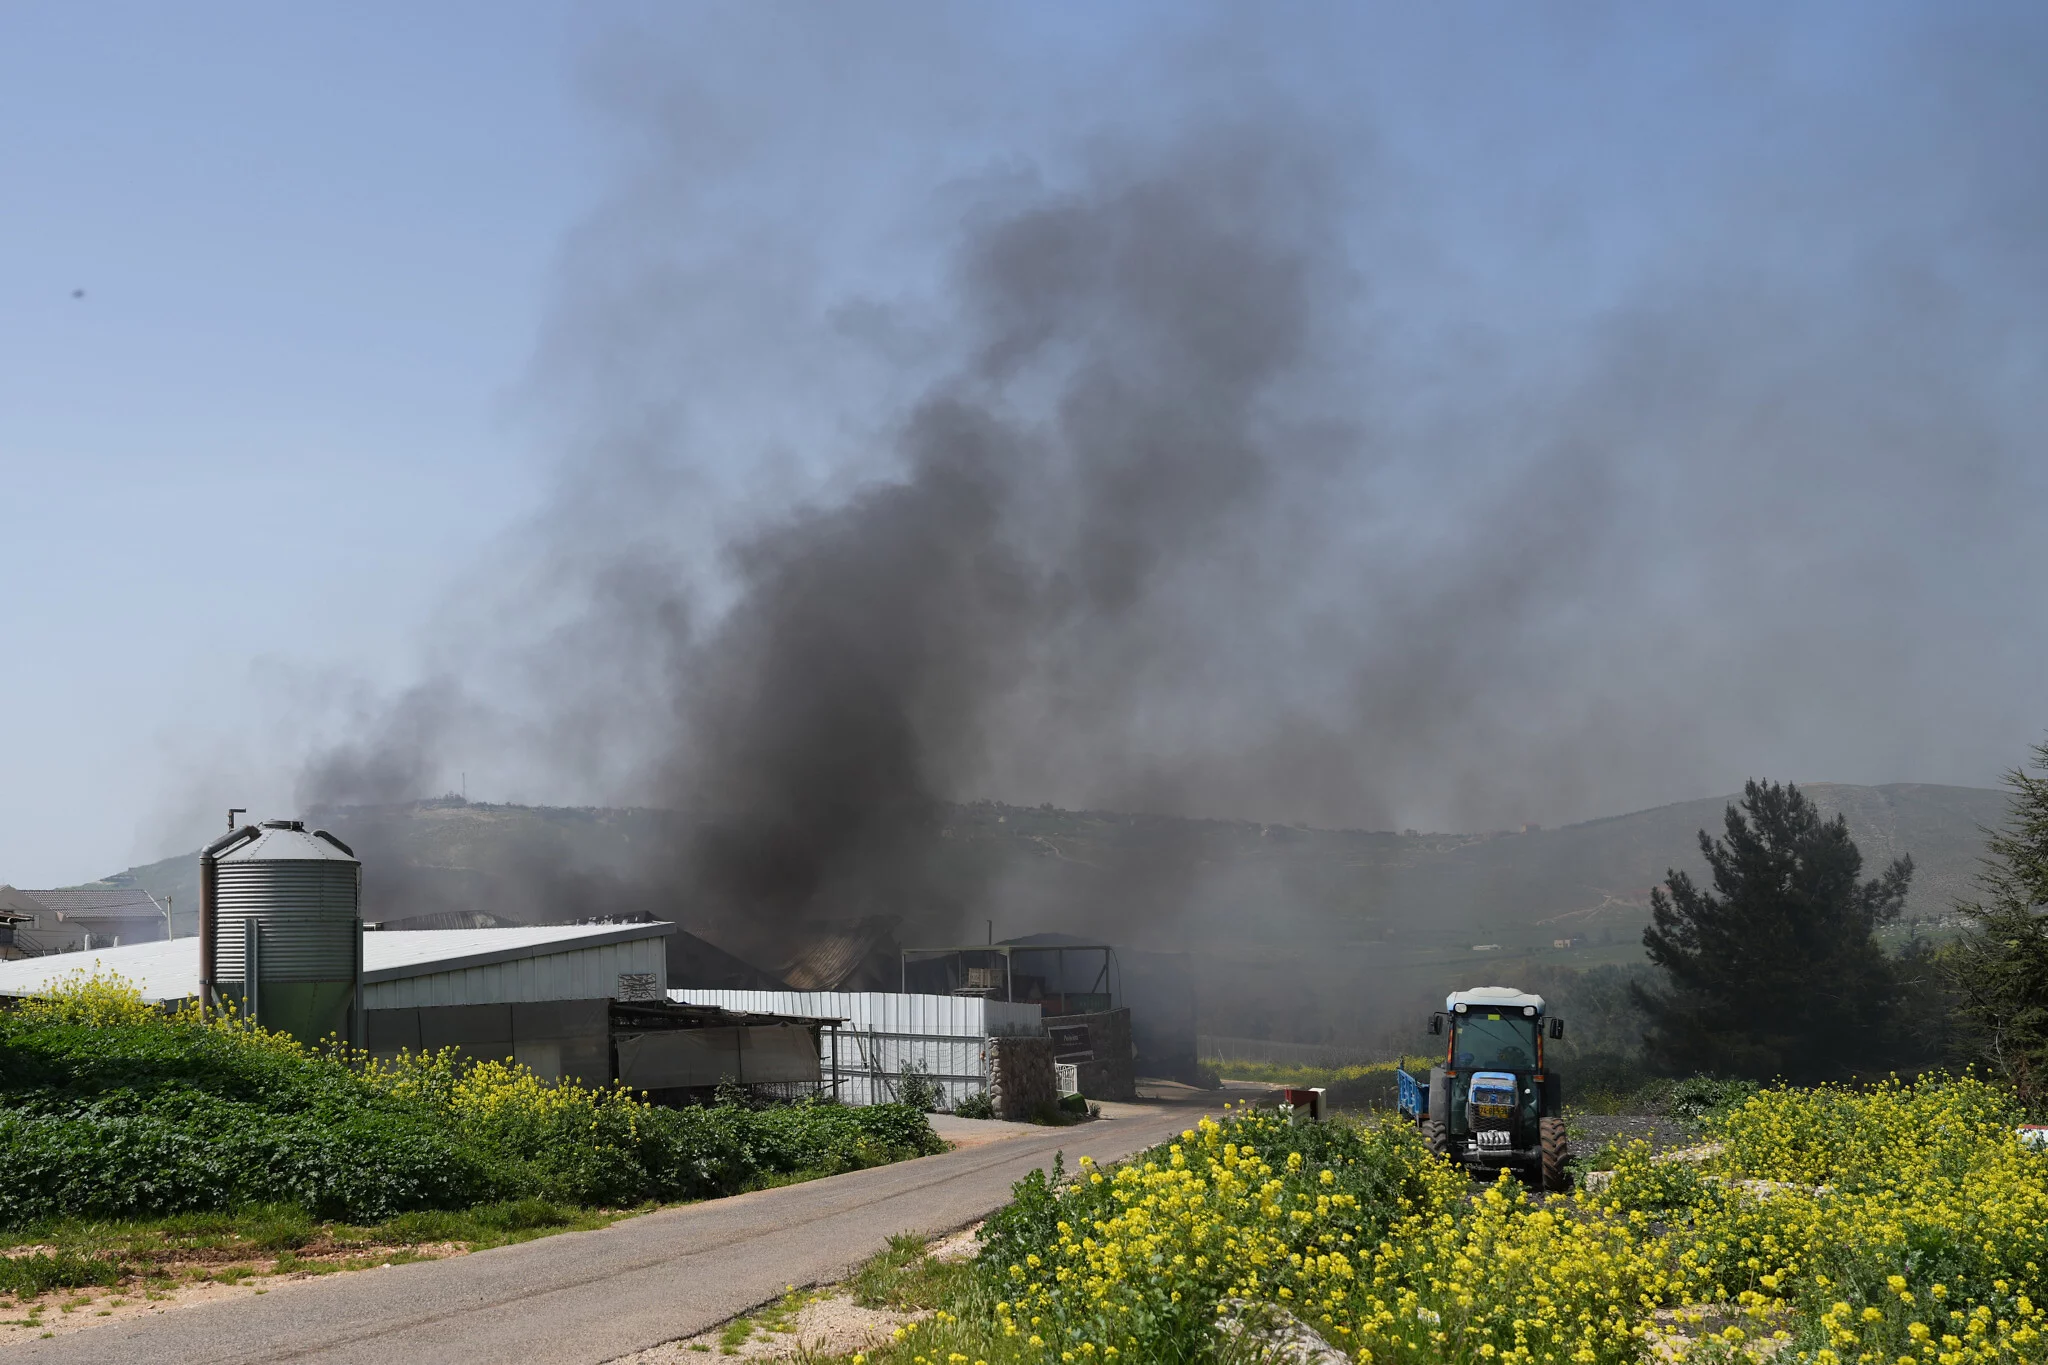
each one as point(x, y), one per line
point(862, 1061)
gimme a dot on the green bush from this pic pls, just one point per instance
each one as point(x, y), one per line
point(695, 1153)
point(916, 1088)
point(1692, 1097)
point(1699, 1096)
point(112, 1110)
point(134, 1119)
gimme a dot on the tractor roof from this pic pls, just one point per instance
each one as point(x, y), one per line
point(1493, 997)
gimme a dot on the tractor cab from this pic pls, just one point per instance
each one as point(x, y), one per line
point(1493, 1102)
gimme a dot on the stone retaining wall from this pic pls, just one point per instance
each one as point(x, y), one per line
point(1021, 1080)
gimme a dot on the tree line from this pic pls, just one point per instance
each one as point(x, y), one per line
point(1773, 969)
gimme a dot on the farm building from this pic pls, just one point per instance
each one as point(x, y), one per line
point(66, 920)
point(1088, 992)
point(582, 1001)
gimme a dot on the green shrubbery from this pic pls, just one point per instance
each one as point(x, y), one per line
point(146, 1114)
point(975, 1106)
point(111, 1109)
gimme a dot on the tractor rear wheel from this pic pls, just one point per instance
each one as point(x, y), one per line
point(1438, 1138)
point(1556, 1150)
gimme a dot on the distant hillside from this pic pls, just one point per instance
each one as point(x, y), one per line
point(1295, 932)
point(1210, 878)
point(429, 857)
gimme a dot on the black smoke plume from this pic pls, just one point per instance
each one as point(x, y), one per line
point(1252, 468)
point(1113, 429)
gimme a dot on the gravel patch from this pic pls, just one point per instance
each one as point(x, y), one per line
point(827, 1324)
point(1590, 1132)
point(963, 1245)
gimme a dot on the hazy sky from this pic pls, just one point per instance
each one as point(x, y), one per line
point(1690, 362)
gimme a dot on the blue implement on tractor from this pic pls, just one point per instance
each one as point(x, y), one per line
point(1414, 1099)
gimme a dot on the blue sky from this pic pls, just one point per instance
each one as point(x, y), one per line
point(314, 243)
point(378, 299)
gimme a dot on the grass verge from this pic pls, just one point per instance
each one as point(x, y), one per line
point(907, 1278)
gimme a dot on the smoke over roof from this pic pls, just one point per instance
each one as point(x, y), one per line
point(1232, 462)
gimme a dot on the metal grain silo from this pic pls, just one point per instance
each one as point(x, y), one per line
point(281, 928)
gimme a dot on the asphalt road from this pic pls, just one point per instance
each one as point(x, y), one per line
point(594, 1296)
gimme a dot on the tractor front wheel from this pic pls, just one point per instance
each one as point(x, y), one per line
point(1556, 1150)
point(1438, 1138)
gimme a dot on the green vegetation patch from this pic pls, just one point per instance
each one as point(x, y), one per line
point(907, 1279)
point(111, 1111)
point(27, 1277)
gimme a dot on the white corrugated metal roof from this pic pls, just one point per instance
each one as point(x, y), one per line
point(389, 954)
point(163, 970)
point(170, 970)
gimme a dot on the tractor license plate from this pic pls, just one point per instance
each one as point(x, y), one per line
point(1493, 1111)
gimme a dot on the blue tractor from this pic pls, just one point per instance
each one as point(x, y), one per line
point(1493, 1104)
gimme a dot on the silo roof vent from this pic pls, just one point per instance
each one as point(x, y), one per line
point(289, 841)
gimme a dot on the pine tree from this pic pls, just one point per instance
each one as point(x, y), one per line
point(1999, 970)
point(1776, 972)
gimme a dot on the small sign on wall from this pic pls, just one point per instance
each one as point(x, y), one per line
point(638, 986)
point(1070, 1043)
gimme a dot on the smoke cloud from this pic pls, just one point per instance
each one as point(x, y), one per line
point(1114, 434)
point(1207, 457)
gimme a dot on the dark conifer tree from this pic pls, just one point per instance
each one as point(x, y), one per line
point(1999, 970)
point(1776, 972)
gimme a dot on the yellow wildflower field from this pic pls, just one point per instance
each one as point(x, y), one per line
point(1901, 1224)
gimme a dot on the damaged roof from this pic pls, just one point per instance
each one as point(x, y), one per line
point(835, 955)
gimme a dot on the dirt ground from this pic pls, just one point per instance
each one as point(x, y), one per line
point(205, 1276)
point(824, 1322)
